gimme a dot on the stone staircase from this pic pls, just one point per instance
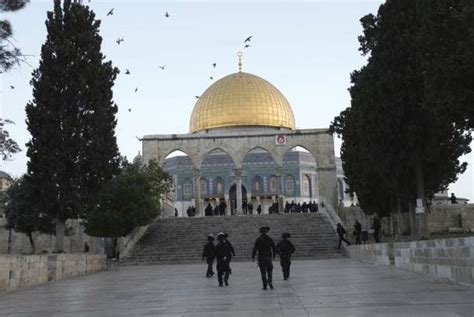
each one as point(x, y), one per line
point(181, 240)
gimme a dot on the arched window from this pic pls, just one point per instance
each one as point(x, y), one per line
point(257, 185)
point(306, 186)
point(187, 188)
point(273, 184)
point(203, 186)
point(219, 185)
point(290, 184)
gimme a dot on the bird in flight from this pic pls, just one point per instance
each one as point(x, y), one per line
point(247, 46)
point(162, 67)
point(214, 65)
point(136, 89)
point(12, 87)
point(119, 40)
point(211, 78)
point(111, 12)
point(167, 14)
point(127, 72)
point(197, 97)
point(248, 39)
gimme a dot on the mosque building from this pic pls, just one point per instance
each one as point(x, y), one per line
point(243, 147)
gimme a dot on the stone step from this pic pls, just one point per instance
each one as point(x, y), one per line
point(180, 240)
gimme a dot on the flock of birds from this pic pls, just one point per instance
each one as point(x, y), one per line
point(162, 67)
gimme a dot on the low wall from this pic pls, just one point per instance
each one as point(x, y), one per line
point(376, 253)
point(74, 240)
point(19, 271)
point(444, 259)
point(441, 218)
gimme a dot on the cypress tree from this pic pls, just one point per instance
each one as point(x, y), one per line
point(71, 118)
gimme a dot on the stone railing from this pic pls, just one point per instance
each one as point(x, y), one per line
point(376, 253)
point(19, 271)
point(444, 259)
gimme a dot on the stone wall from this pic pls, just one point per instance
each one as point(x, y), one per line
point(19, 271)
point(441, 259)
point(73, 242)
point(441, 219)
point(376, 253)
point(444, 259)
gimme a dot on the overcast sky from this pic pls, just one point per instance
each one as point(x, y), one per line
point(306, 49)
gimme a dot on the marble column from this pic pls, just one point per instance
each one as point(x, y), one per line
point(280, 189)
point(238, 190)
point(197, 188)
point(227, 202)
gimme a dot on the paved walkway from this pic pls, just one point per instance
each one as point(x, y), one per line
point(340, 287)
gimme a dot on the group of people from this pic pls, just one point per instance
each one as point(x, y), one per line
point(357, 232)
point(191, 211)
point(264, 249)
point(218, 210)
point(301, 208)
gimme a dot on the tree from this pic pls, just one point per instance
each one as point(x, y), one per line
point(10, 55)
point(129, 200)
point(395, 142)
point(73, 149)
point(23, 217)
point(8, 146)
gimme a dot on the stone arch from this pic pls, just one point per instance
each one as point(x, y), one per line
point(216, 150)
point(302, 148)
point(243, 154)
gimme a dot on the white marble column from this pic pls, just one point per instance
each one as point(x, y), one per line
point(280, 189)
point(197, 184)
point(238, 190)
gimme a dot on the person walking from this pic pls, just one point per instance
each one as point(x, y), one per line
point(209, 253)
point(285, 249)
point(357, 231)
point(259, 209)
point(265, 247)
point(376, 225)
point(223, 256)
point(341, 232)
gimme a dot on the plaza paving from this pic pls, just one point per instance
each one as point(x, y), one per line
point(339, 287)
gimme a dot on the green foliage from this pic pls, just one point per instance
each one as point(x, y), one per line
point(10, 55)
point(400, 139)
point(8, 146)
point(21, 215)
point(71, 118)
point(129, 200)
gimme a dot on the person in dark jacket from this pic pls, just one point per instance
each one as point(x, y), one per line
point(209, 254)
point(231, 247)
point(357, 231)
point(285, 249)
point(259, 209)
point(341, 232)
point(376, 225)
point(223, 255)
point(208, 210)
point(265, 247)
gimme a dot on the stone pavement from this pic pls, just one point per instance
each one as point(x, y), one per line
point(338, 287)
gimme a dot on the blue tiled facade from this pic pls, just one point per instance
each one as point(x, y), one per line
point(258, 176)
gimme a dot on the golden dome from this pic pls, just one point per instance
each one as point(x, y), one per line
point(241, 99)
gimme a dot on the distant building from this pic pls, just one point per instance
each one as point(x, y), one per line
point(5, 181)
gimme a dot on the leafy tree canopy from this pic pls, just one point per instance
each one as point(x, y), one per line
point(129, 200)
